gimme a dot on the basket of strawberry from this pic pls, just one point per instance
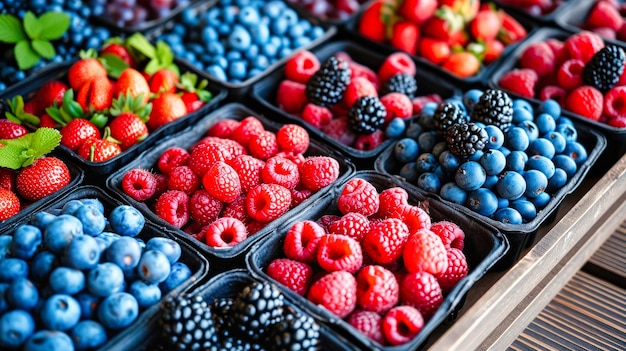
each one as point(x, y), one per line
point(112, 104)
point(382, 264)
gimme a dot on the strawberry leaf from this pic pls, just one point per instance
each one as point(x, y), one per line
point(139, 43)
point(11, 30)
point(25, 56)
point(31, 25)
point(43, 48)
point(22, 151)
point(99, 120)
point(44, 140)
point(113, 64)
point(53, 25)
point(11, 156)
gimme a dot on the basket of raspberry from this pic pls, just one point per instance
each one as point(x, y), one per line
point(112, 104)
point(234, 311)
point(88, 272)
point(580, 71)
point(459, 39)
point(357, 106)
point(545, 11)
point(235, 44)
point(505, 161)
point(381, 264)
point(605, 18)
point(32, 172)
point(228, 181)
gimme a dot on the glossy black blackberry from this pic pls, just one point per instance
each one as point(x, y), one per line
point(221, 314)
point(605, 68)
point(187, 324)
point(464, 140)
point(295, 332)
point(231, 343)
point(327, 85)
point(494, 107)
point(256, 307)
point(400, 83)
point(367, 115)
point(448, 114)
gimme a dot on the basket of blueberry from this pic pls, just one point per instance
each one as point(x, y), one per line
point(88, 272)
point(506, 161)
point(382, 264)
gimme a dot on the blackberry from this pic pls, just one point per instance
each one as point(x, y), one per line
point(295, 332)
point(400, 83)
point(187, 324)
point(221, 314)
point(605, 68)
point(464, 140)
point(494, 107)
point(367, 115)
point(446, 115)
point(230, 343)
point(257, 306)
point(327, 85)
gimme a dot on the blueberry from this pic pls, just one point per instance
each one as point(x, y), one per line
point(414, 130)
point(60, 312)
point(108, 238)
point(83, 252)
point(41, 219)
point(493, 161)
point(453, 193)
point(179, 274)
point(536, 182)
point(426, 162)
point(449, 162)
point(92, 219)
point(502, 202)
point(26, 240)
point(154, 266)
point(476, 155)
point(531, 130)
point(546, 123)
point(238, 69)
point(260, 62)
point(15, 328)
point(167, 246)
point(289, 15)
point(124, 252)
point(525, 208)
point(145, 294)
point(521, 103)
point(471, 97)
point(270, 49)
point(470, 176)
point(568, 131)
point(516, 161)
point(12, 268)
point(566, 163)
point(88, 335)
point(60, 232)
point(239, 38)
point(248, 16)
point(541, 200)
point(118, 311)
point(429, 181)
point(107, 278)
point(229, 14)
point(491, 181)
point(428, 110)
point(508, 215)
point(557, 140)
point(542, 164)
point(260, 33)
point(22, 294)
point(395, 128)
point(516, 139)
point(49, 340)
point(66, 280)
point(576, 151)
point(126, 220)
point(541, 146)
point(42, 264)
point(557, 181)
point(6, 241)
point(406, 150)
point(4, 305)
point(550, 107)
point(284, 52)
point(279, 26)
point(495, 137)
point(511, 185)
point(427, 141)
point(409, 172)
point(482, 201)
point(273, 9)
point(88, 304)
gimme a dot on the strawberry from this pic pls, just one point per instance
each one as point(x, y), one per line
point(11, 130)
point(85, 70)
point(43, 177)
point(462, 64)
point(17, 111)
point(45, 121)
point(166, 108)
point(77, 131)
point(194, 94)
point(468, 9)
point(99, 150)
point(7, 178)
point(417, 11)
point(129, 125)
point(96, 94)
point(405, 36)
point(133, 82)
point(120, 51)
point(486, 25)
point(48, 94)
point(9, 204)
point(434, 50)
point(445, 25)
point(372, 24)
point(163, 81)
point(493, 50)
point(511, 31)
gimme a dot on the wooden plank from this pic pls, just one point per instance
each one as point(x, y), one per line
point(609, 262)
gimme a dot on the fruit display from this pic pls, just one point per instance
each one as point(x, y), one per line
point(81, 273)
point(234, 43)
point(372, 255)
point(337, 10)
point(461, 37)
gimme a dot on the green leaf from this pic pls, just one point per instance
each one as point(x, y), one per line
point(44, 140)
point(53, 25)
point(31, 25)
point(11, 156)
point(164, 53)
point(152, 67)
point(11, 30)
point(99, 120)
point(43, 48)
point(138, 42)
point(24, 141)
point(113, 64)
point(25, 56)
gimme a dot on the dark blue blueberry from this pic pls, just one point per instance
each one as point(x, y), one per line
point(60, 312)
point(449, 162)
point(46, 340)
point(41, 219)
point(88, 305)
point(179, 274)
point(542, 164)
point(516, 161)
point(503, 203)
point(508, 216)
point(541, 200)
point(430, 182)
point(66, 280)
point(557, 181)
point(4, 305)
point(108, 238)
point(406, 150)
point(550, 107)
point(395, 128)
point(470, 176)
point(516, 139)
point(490, 182)
point(88, 335)
point(493, 161)
point(511, 185)
point(414, 130)
point(568, 131)
point(16, 327)
point(536, 182)
point(12, 268)
point(482, 201)
point(22, 294)
point(83, 252)
point(566, 163)
point(42, 264)
point(126, 220)
point(6, 241)
point(576, 151)
point(525, 208)
point(470, 98)
point(124, 252)
point(453, 193)
point(60, 232)
point(26, 241)
point(476, 155)
point(71, 207)
point(92, 219)
point(409, 172)
point(426, 162)
point(118, 311)
point(439, 148)
point(145, 294)
point(427, 141)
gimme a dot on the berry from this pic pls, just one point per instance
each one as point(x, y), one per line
point(414, 217)
point(457, 270)
point(318, 172)
point(494, 107)
point(448, 114)
point(401, 324)
point(301, 66)
point(337, 128)
point(184, 179)
point(222, 182)
point(397, 105)
point(604, 69)
point(281, 171)
point(205, 154)
point(335, 291)
point(465, 140)
point(225, 232)
point(186, 322)
point(316, 116)
point(358, 195)
point(422, 291)
point(369, 323)
point(172, 157)
point(390, 199)
point(583, 45)
point(400, 83)
point(267, 202)
point(367, 115)
point(368, 142)
point(337, 252)
point(43, 177)
point(396, 63)
point(9, 204)
point(586, 101)
point(295, 332)
point(520, 81)
point(255, 308)
point(424, 251)
point(291, 96)
point(139, 184)
point(302, 240)
point(292, 138)
point(538, 57)
point(615, 102)
point(223, 128)
point(247, 128)
point(358, 87)
point(354, 225)
point(377, 289)
point(450, 234)
point(327, 86)
point(173, 207)
point(295, 275)
point(604, 14)
point(263, 145)
point(569, 75)
point(385, 240)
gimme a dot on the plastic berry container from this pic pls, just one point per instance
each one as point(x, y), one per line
point(230, 256)
point(483, 248)
point(264, 93)
point(144, 326)
point(29, 87)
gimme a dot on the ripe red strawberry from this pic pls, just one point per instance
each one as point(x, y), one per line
point(129, 126)
point(163, 81)
point(604, 14)
point(173, 207)
point(267, 202)
point(358, 195)
point(194, 93)
point(401, 324)
point(98, 150)
point(11, 130)
point(291, 96)
point(132, 82)
point(74, 134)
point(7, 179)
point(405, 36)
point(43, 177)
point(462, 63)
point(520, 81)
point(336, 292)
point(377, 289)
point(493, 51)
point(139, 184)
point(96, 94)
point(434, 50)
point(50, 92)
point(9, 204)
point(301, 66)
point(586, 101)
point(225, 232)
point(511, 31)
point(85, 70)
point(337, 252)
point(486, 25)
point(369, 323)
point(385, 241)
point(166, 108)
point(295, 275)
point(418, 11)
point(371, 24)
point(45, 121)
point(457, 270)
point(222, 182)
point(424, 251)
point(422, 291)
point(120, 51)
point(444, 25)
point(204, 208)
point(358, 87)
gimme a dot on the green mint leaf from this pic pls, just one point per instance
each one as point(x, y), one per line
point(53, 25)
point(113, 64)
point(11, 156)
point(139, 43)
point(44, 140)
point(25, 56)
point(11, 30)
point(43, 48)
point(31, 25)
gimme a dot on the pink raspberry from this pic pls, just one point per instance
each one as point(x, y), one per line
point(391, 199)
point(337, 252)
point(316, 116)
point(292, 138)
point(291, 96)
point(237, 209)
point(413, 216)
point(369, 323)
point(247, 128)
point(318, 172)
point(377, 289)
point(137, 183)
point(204, 155)
point(335, 291)
point(422, 291)
point(295, 275)
point(424, 251)
point(223, 128)
point(172, 157)
point(401, 324)
point(326, 220)
point(398, 62)
point(248, 169)
point(569, 75)
point(267, 202)
point(302, 240)
point(225, 232)
point(358, 87)
point(173, 207)
point(538, 57)
point(222, 182)
point(337, 129)
point(367, 142)
point(358, 195)
point(385, 241)
point(450, 233)
point(184, 179)
point(263, 145)
point(397, 105)
point(204, 208)
point(457, 270)
point(281, 171)
point(299, 195)
point(301, 66)
point(359, 70)
point(354, 225)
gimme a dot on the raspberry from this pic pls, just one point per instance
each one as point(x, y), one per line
point(225, 232)
point(161, 184)
point(326, 220)
point(299, 195)
point(391, 199)
point(184, 179)
point(401, 324)
point(139, 184)
point(419, 102)
point(422, 291)
point(457, 270)
point(451, 234)
point(248, 169)
point(615, 102)
point(263, 145)
point(292, 138)
point(385, 241)
point(295, 275)
point(414, 217)
point(520, 81)
point(237, 209)
point(359, 70)
point(254, 226)
point(339, 253)
point(617, 122)
point(538, 57)
point(315, 115)
point(337, 129)
point(301, 66)
point(291, 96)
point(281, 171)
point(424, 251)
point(248, 127)
point(358, 195)
point(554, 93)
point(205, 154)
point(354, 225)
point(398, 62)
point(294, 157)
point(397, 105)
point(267, 202)
point(569, 75)
point(172, 157)
point(586, 101)
point(583, 45)
point(336, 291)
point(604, 14)
point(233, 147)
point(318, 172)
point(222, 182)
point(369, 323)
point(204, 208)
point(223, 128)
point(173, 207)
point(368, 142)
point(358, 87)
point(302, 240)
point(377, 289)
